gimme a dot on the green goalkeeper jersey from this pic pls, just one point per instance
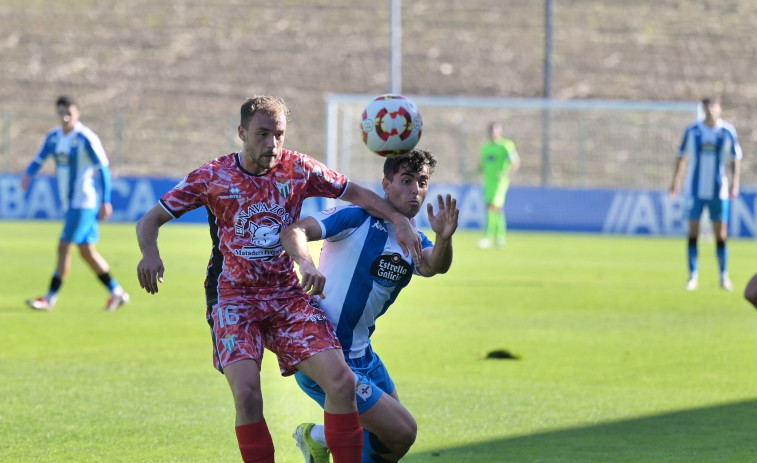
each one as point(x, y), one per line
point(496, 159)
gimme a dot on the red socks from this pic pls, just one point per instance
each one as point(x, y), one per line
point(255, 443)
point(344, 437)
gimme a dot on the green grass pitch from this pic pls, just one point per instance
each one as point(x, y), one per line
point(616, 361)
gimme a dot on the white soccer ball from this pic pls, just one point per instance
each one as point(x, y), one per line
point(391, 125)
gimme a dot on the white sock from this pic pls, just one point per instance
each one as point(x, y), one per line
point(51, 298)
point(317, 434)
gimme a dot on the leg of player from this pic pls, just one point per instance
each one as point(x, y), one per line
point(254, 438)
point(343, 432)
point(693, 255)
point(62, 267)
point(720, 229)
point(391, 427)
point(97, 263)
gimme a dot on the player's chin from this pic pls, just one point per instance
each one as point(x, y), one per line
point(412, 209)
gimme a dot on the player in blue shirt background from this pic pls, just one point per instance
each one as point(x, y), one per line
point(84, 187)
point(361, 271)
point(708, 146)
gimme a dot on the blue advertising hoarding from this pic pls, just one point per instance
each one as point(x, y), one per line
point(528, 208)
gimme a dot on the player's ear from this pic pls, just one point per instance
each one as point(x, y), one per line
point(242, 135)
point(385, 182)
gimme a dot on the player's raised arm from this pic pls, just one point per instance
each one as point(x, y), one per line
point(438, 258)
point(407, 237)
point(150, 268)
point(295, 239)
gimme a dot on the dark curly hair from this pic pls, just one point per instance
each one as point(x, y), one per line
point(413, 162)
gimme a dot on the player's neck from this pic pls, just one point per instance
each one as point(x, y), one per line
point(250, 166)
point(710, 122)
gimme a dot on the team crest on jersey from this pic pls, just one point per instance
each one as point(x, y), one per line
point(364, 391)
point(262, 223)
point(285, 188)
point(389, 270)
point(229, 341)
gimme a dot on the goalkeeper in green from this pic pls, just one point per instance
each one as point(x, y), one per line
point(498, 158)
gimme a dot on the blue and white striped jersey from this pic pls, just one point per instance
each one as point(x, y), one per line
point(79, 155)
point(708, 149)
point(365, 270)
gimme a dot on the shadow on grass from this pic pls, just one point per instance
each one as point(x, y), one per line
point(726, 433)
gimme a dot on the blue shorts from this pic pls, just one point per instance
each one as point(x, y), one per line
point(372, 381)
point(718, 209)
point(80, 226)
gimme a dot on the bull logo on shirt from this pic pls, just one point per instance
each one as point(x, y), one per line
point(265, 236)
point(261, 223)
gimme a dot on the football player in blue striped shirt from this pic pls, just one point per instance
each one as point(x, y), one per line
point(361, 272)
point(709, 146)
point(84, 187)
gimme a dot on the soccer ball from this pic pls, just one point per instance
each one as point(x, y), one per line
point(391, 125)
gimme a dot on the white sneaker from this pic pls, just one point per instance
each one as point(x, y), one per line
point(692, 284)
point(501, 242)
point(116, 301)
point(726, 284)
point(41, 303)
point(484, 243)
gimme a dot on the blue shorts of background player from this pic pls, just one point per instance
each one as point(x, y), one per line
point(80, 226)
point(717, 208)
point(373, 380)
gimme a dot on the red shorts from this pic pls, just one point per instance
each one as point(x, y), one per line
point(294, 329)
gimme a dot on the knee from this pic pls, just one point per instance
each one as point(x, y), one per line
point(405, 437)
point(340, 384)
point(247, 399)
point(86, 251)
point(401, 438)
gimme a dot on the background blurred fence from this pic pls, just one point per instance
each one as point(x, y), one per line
point(592, 144)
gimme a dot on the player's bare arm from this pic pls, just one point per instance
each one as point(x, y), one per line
point(150, 268)
point(736, 175)
point(106, 210)
point(295, 239)
point(438, 259)
point(674, 186)
point(407, 237)
point(26, 179)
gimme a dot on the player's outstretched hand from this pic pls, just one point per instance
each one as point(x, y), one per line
point(150, 273)
point(313, 281)
point(444, 223)
point(409, 239)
